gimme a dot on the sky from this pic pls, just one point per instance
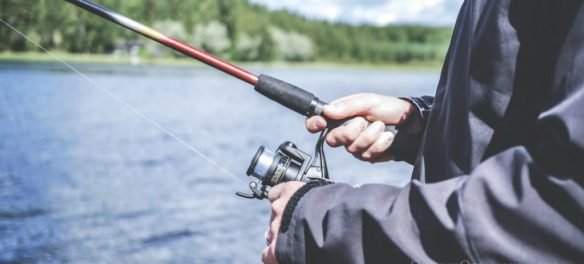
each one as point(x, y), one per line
point(376, 12)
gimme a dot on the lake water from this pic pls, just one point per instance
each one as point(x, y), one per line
point(83, 179)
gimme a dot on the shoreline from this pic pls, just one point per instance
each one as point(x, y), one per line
point(39, 57)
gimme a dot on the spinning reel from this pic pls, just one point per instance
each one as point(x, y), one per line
point(287, 163)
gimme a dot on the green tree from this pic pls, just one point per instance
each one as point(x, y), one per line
point(233, 28)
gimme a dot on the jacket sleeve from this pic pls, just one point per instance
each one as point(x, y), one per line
point(521, 205)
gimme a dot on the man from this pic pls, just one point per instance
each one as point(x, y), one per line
point(498, 154)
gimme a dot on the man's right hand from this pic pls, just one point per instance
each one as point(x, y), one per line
point(365, 142)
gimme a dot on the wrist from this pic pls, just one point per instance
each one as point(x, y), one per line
point(412, 121)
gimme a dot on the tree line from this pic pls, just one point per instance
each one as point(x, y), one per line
point(235, 29)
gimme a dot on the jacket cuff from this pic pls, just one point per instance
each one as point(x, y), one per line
point(293, 202)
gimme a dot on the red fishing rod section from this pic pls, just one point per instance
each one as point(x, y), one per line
point(177, 45)
point(211, 60)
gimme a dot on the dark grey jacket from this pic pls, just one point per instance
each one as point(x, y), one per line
point(498, 177)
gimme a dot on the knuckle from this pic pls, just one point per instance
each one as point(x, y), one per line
point(351, 149)
point(276, 208)
point(388, 140)
point(368, 139)
point(360, 121)
point(366, 156)
point(374, 151)
point(358, 146)
point(313, 125)
point(352, 134)
point(365, 140)
point(331, 140)
point(390, 137)
point(378, 148)
point(274, 193)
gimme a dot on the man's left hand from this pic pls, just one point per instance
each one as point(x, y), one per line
point(278, 196)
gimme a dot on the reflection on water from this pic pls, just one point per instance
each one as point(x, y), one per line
point(85, 180)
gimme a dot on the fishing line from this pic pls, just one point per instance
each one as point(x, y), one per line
point(124, 103)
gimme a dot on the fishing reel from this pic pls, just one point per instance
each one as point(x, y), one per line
point(287, 163)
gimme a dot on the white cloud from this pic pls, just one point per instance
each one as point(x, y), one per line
point(378, 12)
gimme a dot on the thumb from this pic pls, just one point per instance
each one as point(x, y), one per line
point(355, 105)
point(275, 192)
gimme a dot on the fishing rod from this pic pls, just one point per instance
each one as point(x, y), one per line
point(287, 163)
point(294, 98)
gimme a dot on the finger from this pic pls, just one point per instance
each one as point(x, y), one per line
point(380, 146)
point(316, 124)
point(277, 208)
point(265, 255)
point(355, 105)
point(273, 211)
point(269, 255)
point(274, 229)
point(347, 133)
point(367, 138)
point(268, 236)
point(275, 192)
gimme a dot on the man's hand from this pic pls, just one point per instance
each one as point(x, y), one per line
point(367, 143)
point(278, 196)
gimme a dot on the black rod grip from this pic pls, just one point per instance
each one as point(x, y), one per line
point(288, 95)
